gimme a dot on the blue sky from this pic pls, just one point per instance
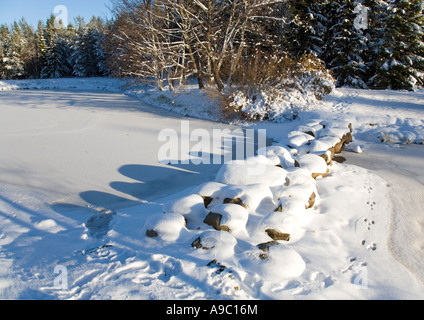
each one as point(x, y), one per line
point(34, 10)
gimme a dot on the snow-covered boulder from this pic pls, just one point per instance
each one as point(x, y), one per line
point(209, 192)
point(333, 132)
point(253, 197)
point(342, 131)
point(282, 263)
point(298, 176)
point(310, 128)
point(279, 222)
point(296, 139)
point(296, 204)
point(218, 244)
point(315, 164)
point(228, 217)
point(278, 263)
point(209, 189)
point(192, 207)
point(167, 227)
point(251, 172)
point(305, 193)
point(278, 156)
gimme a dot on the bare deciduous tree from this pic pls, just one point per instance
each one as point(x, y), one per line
point(170, 40)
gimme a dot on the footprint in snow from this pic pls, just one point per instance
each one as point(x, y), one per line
point(372, 247)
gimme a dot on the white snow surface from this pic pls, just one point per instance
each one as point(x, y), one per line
point(81, 184)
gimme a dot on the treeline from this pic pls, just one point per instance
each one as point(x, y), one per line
point(365, 43)
point(221, 43)
point(50, 52)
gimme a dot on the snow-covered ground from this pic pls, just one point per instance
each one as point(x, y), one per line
point(81, 187)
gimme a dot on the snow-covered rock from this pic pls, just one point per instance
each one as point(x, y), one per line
point(278, 156)
point(282, 222)
point(299, 186)
point(279, 264)
point(315, 164)
point(233, 218)
point(283, 263)
point(254, 197)
point(249, 172)
point(217, 244)
point(168, 227)
point(208, 189)
point(296, 139)
point(192, 207)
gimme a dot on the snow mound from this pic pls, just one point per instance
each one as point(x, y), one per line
point(283, 222)
point(280, 263)
point(278, 156)
point(283, 263)
point(248, 172)
point(254, 197)
point(215, 244)
point(209, 189)
point(192, 207)
point(168, 227)
point(234, 217)
point(315, 164)
point(297, 139)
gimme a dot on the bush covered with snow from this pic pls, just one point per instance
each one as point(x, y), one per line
point(279, 88)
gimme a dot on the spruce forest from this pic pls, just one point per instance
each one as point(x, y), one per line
point(225, 44)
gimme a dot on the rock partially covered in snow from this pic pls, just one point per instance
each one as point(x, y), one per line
point(228, 217)
point(310, 128)
point(305, 193)
point(253, 197)
point(280, 263)
point(296, 204)
point(219, 244)
point(192, 207)
point(277, 236)
point(167, 227)
point(251, 172)
point(316, 165)
point(278, 221)
point(283, 263)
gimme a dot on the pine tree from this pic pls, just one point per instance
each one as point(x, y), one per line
point(41, 48)
point(346, 43)
point(4, 38)
point(12, 62)
point(29, 52)
point(399, 53)
point(89, 57)
point(58, 59)
point(306, 27)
